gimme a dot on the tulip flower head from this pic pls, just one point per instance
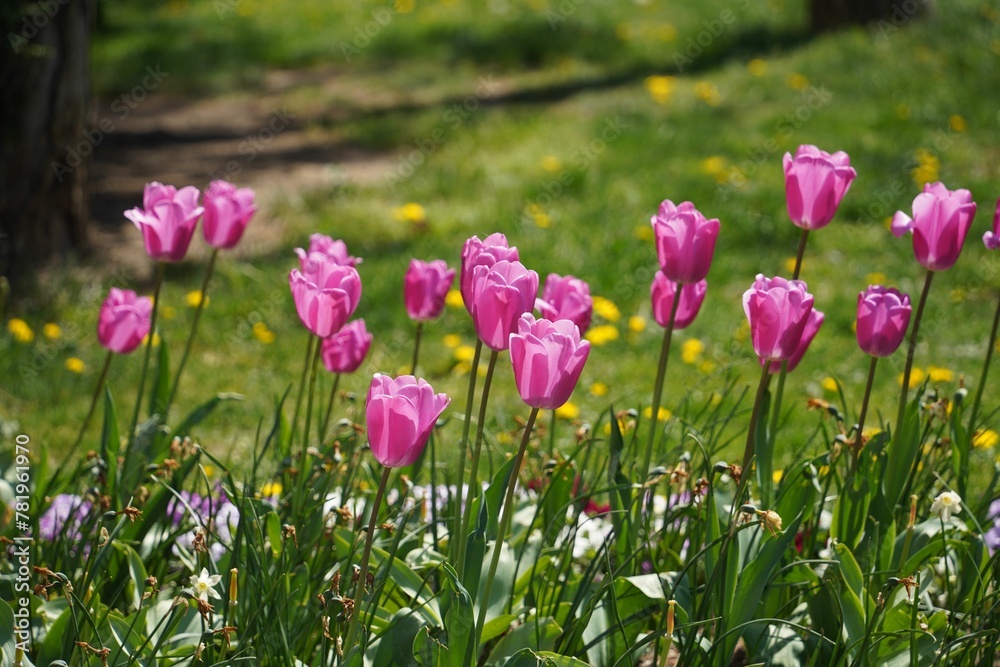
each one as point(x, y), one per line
point(167, 220)
point(778, 311)
point(482, 253)
point(325, 294)
point(333, 250)
point(227, 212)
point(124, 320)
point(425, 287)
point(813, 323)
point(400, 414)
point(662, 293)
point(815, 183)
point(685, 241)
point(501, 293)
point(344, 351)
point(940, 222)
point(548, 358)
point(991, 239)
point(566, 298)
point(883, 317)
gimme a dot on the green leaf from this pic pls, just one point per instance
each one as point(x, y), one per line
point(475, 548)
point(621, 493)
point(158, 399)
point(199, 414)
point(8, 642)
point(136, 571)
point(494, 495)
point(902, 451)
point(851, 511)
point(428, 651)
point(458, 621)
point(396, 645)
point(535, 634)
point(273, 524)
point(110, 443)
point(764, 448)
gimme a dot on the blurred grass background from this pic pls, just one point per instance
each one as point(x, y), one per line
point(562, 125)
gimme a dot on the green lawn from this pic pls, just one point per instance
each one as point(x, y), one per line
point(565, 137)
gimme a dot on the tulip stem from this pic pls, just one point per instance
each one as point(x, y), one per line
point(661, 373)
point(302, 386)
point(508, 507)
point(748, 453)
point(858, 438)
point(194, 327)
point(329, 408)
point(309, 400)
point(459, 546)
point(160, 268)
point(359, 594)
point(416, 347)
point(476, 451)
point(982, 377)
point(910, 350)
point(799, 253)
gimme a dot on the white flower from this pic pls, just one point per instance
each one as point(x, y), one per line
point(946, 504)
point(203, 585)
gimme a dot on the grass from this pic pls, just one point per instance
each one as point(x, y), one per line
point(568, 154)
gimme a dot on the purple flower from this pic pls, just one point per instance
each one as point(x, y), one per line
point(63, 518)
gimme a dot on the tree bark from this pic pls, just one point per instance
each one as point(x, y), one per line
point(44, 142)
point(828, 15)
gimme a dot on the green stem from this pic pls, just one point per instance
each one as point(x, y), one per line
point(799, 253)
point(329, 408)
point(309, 400)
point(416, 348)
point(910, 350)
point(459, 545)
point(748, 452)
point(552, 434)
point(661, 373)
point(986, 370)
point(508, 506)
point(776, 406)
point(194, 327)
point(86, 422)
point(864, 412)
point(160, 268)
point(476, 451)
point(302, 383)
point(359, 595)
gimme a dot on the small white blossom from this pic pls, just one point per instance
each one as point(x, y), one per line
point(946, 504)
point(203, 585)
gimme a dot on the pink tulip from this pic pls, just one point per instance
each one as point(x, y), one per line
point(809, 332)
point(778, 311)
point(548, 358)
point(482, 253)
point(325, 294)
point(425, 287)
point(167, 220)
point(344, 351)
point(883, 317)
point(662, 294)
point(991, 239)
point(685, 241)
point(227, 212)
point(566, 298)
point(815, 183)
point(500, 295)
point(941, 219)
point(124, 320)
point(401, 414)
point(326, 247)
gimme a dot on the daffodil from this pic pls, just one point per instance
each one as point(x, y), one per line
point(946, 504)
point(203, 585)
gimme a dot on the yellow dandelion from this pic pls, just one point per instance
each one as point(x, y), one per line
point(691, 350)
point(568, 411)
point(958, 123)
point(411, 212)
point(465, 353)
point(403, 6)
point(757, 67)
point(271, 489)
point(876, 278)
point(607, 309)
point(790, 265)
point(666, 32)
point(623, 32)
point(551, 163)
point(958, 295)
point(637, 323)
point(75, 365)
point(602, 334)
point(660, 87)
point(452, 341)
point(777, 475)
point(542, 220)
point(927, 168)
point(209, 470)
point(644, 233)
point(707, 366)
point(599, 389)
point(708, 93)
point(169, 312)
point(940, 374)
point(52, 331)
point(661, 415)
point(262, 333)
point(195, 298)
point(829, 384)
point(462, 368)
point(156, 339)
point(20, 330)
point(454, 299)
point(903, 111)
point(796, 81)
point(986, 439)
point(917, 376)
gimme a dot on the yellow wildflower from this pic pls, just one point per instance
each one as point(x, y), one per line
point(708, 93)
point(830, 384)
point(20, 330)
point(271, 489)
point(168, 312)
point(52, 331)
point(75, 365)
point(940, 374)
point(777, 475)
point(790, 265)
point(262, 333)
point(454, 299)
point(568, 411)
point(660, 87)
point(661, 415)
point(917, 376)
point(636, 323)
point(452, 340)
point(465, 353)
point(551, 163)
point(607, 309)
point(927, 167)
point(411, 212)
point(644, 233)
point(599, 389)
point(691, 350)
point(986, 439)
point(602, 334)
point(757, 67)
point(958, 123)
point(796, 81)
point(195, 298)
point(403, 6)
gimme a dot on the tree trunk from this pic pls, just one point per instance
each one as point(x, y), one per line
point(44, 143)
point(833, 14)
